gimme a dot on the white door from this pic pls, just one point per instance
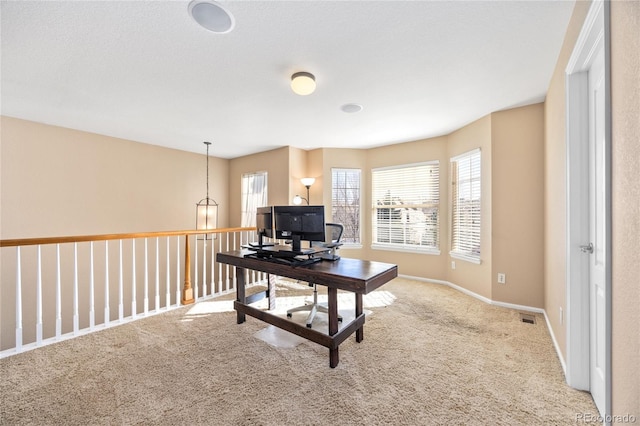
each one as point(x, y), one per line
point(597, 230)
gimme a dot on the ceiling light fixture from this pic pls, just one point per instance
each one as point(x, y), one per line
point(303, 83)
point(211, 16)
point(207, 208)
point(351, 108)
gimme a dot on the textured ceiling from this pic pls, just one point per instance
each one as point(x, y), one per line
point(145, 71)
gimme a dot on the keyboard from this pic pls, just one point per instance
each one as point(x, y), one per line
point(258, 245)
point(291, 261)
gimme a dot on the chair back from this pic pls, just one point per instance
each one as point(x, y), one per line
point(333, 232)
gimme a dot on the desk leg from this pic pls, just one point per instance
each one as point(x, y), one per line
point(360, 331)
point(240, 293)
point(333, 324)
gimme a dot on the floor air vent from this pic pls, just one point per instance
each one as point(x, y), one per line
point(527, 318)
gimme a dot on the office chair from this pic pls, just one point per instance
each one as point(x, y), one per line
point(333, 235)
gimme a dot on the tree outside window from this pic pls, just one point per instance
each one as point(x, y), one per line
point(345, 202)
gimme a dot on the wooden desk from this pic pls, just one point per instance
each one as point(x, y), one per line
point(354, 275)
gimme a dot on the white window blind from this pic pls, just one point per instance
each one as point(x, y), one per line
point(345, 202)
point(466, 213)
point(254, 195)
point(406, 203)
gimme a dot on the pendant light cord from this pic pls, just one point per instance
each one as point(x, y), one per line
point(207, 143)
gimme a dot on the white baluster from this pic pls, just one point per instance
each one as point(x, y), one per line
point(177, 270)
point(92, 314)
point(228, 270)
point(58, 295)
point(134, 308)
point(120, 284)
point(146, 278)
point(204, 266)
point(213, 258)
point(107, 318)
point(168, 281)
point(223, 267)
point(39, 299)
point(220, 275)
point(195, 278)
point(18, 301)
point(76, 317)
point(157, 304)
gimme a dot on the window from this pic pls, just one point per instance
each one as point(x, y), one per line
point(345, 203)
point(406, 207)
point(465, 220)
point(254, 195)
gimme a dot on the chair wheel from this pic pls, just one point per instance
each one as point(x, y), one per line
point(339, 319)
point(308, 325)
point(289, 315)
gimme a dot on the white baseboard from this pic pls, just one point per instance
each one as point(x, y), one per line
point(501, 304)
point(555, 345)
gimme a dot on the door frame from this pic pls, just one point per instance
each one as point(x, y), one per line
point(595, 33)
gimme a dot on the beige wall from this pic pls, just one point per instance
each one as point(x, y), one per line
point(297, 171)
point(517, 195)
point(314, 165)
point(625, 107)
point(58, 181)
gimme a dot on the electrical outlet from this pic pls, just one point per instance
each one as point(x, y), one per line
point(502, 279)
point(453, 264)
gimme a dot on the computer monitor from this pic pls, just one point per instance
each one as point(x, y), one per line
point(264, 225)
point(299, 223)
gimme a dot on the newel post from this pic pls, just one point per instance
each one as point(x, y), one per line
point(187, 291)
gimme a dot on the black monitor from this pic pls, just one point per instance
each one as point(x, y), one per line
point(299, 223)
point(264, 225)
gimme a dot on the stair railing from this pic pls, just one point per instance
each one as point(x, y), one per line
point(57, 282)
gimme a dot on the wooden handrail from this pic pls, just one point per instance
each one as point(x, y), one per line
point(103, 237)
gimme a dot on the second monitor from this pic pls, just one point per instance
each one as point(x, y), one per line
point(299, 223)
point(264, 226)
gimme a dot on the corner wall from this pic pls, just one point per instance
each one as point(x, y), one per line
point(517, 197)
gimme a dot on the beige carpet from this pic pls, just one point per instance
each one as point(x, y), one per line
point(430, 356)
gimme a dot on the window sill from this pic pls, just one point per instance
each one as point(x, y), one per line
point(416, 250)
point(466, 258)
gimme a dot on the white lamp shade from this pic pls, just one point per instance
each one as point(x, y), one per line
point(297, 200)
point(303, 83)
point(206, 216)
point(308, 181)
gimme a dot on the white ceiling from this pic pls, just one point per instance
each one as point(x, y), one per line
point(145, 71)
